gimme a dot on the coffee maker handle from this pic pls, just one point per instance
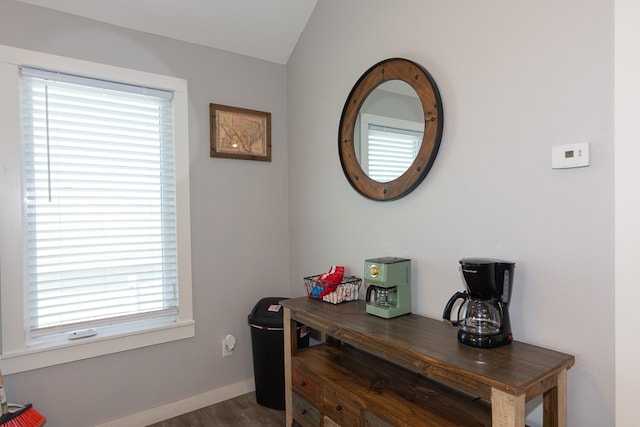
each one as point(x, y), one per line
point(446, 314)
point(370, 289)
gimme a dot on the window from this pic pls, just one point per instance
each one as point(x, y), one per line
point(103, 214)
point(99, 185)
point(391, 146)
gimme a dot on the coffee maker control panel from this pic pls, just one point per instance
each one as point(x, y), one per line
point(374, 270)
point(378, 270)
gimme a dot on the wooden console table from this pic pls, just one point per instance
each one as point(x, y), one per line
point(411, 370)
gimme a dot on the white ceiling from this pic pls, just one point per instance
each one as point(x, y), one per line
point(265, 29)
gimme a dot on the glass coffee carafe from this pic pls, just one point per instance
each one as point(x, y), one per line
point(383, 297)
point(482, 310)
point(478, 316)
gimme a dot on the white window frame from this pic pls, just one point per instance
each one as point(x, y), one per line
point(367, 119)
point(16, 355)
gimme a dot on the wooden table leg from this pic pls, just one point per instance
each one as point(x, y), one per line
point(507, 410)
point(555, 403)
point(289, 343)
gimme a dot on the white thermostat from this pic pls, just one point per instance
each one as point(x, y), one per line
point(570, 156)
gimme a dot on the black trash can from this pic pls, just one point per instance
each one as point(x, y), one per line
point(267, 342)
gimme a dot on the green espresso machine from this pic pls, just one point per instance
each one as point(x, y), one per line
point(388, 281)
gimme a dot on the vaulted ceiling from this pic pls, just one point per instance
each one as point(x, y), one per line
point(264, 29)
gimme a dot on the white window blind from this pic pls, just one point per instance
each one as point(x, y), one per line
point(391, 151)
point(100, 217)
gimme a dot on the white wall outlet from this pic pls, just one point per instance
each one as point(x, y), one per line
point(228, 345)
point(570, 156)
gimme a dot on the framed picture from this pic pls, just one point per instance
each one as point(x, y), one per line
point(239, 133)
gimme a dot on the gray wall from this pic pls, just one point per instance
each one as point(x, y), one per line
point(627, 207)
point(516, 78)
point(239, 222)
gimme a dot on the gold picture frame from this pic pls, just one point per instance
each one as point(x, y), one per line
point(240, 133)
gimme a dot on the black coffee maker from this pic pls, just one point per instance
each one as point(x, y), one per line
point(483, 315)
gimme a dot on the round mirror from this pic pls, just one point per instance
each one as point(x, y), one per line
point(390, 129)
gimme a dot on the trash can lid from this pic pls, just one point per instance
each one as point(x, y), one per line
point(267, 313)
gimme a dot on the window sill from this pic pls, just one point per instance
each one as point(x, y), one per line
point(26, 360)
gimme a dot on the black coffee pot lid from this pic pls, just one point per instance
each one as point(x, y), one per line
point(484, 261)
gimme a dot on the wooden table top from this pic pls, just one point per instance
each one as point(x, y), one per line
point(431, 348)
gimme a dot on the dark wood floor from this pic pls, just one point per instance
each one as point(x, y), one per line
point(242, 411)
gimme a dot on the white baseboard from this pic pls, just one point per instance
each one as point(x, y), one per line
point(170, 410)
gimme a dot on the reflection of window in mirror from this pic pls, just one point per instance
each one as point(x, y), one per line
point(388, 146)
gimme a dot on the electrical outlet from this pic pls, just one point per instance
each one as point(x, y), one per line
point(226, 351)
point(228, 345)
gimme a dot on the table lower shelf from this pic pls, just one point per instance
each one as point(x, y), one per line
point(339, 383)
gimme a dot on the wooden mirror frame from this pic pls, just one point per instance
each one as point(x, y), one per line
point(424, 85)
